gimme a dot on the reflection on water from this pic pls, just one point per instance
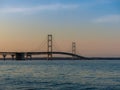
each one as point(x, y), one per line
point(60, 75)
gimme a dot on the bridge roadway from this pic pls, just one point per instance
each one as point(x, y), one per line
point(22, 54)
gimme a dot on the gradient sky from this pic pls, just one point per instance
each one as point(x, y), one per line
point(93, 24)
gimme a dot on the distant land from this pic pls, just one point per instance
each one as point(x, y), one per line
point(69, 58)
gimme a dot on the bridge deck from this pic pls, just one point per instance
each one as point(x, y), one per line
point(39, 53)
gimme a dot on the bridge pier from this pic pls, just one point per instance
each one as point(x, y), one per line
point(13, 57)
point(29, 57)
point(20, 56)
point(4, 56)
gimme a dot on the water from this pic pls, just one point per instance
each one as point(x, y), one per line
point(60, 75)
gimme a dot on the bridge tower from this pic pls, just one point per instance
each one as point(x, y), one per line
point(73, 47)
point(50, 46)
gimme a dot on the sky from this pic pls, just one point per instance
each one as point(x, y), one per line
point(93, 24)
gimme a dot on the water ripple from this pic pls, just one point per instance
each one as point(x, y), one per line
point(60, 75)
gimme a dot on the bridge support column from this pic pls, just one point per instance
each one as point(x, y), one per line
point(20, 56)
point(13, 57)
point(4, 56)
point(50, 47)
point(29, 57)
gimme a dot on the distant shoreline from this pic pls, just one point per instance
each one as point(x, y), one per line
point(68, 58)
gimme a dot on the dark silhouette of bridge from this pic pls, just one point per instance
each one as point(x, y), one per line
point(49, 52)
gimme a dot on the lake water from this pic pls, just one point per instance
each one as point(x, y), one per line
point(60, 75)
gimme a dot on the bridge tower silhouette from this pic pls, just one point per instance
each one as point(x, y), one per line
point(50, 46)
point(73, 48)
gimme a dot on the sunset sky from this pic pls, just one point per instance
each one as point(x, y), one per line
point(93, 24)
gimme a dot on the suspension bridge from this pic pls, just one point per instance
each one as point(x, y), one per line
point(49, 53)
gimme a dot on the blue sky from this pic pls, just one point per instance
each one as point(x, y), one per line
point(83, 21)
point(88, 8)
